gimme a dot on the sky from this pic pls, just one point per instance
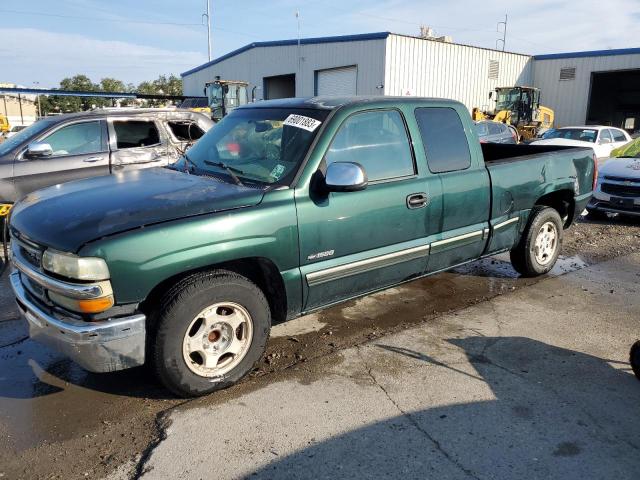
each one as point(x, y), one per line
point(44, 41)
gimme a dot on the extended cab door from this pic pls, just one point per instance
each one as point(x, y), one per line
point(79, 150)
point(356, 242)
point(137, 142)
point(454, 157)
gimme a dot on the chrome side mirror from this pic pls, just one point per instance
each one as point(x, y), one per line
point(345, 177)
point(38, 150)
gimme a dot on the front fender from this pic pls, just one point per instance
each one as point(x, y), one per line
point(140, 259)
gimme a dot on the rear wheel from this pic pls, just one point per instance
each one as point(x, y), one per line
point(539, 247)
point(634, 359)
point(210, 331)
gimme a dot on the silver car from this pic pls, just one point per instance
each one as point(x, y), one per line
point(495, 132)
point(618, 188)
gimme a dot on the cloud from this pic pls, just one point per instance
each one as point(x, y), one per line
point(29, 55)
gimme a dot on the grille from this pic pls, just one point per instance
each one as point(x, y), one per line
point(494, 69)
point(621, 190)
point(622, 179)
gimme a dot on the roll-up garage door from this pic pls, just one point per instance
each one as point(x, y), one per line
point(336, 81)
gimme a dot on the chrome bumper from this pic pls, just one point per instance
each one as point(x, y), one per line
point(104, 346)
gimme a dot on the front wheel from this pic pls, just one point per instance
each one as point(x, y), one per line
point(539, 247)
point(210, 331)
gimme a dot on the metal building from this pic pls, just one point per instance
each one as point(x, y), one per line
point(597, 87)
point(368, 64)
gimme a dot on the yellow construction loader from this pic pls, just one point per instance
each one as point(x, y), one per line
point(520, 107)
point(225, 95)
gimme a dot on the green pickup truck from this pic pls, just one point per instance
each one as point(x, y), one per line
point(285, 207)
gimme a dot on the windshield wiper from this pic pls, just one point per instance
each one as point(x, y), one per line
point(189, 162)
point(229, 169)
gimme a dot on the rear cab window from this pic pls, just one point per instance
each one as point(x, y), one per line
point(135, 133)
point(378, 141)
point(445, 142)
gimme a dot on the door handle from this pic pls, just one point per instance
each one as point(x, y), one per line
point(92, 159)
point(417, 200)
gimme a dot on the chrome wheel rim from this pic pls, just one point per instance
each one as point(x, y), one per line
point(546, 243)
point(217, 339)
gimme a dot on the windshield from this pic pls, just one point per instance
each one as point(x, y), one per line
point(264, 145)
point(23, 135)
point(581, 134)
point(507, 99)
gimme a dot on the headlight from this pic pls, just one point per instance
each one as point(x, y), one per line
point(75, 267)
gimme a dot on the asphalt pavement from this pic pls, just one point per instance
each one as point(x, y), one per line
point(532, 384)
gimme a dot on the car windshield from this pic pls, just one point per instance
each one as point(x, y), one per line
point(482, 129)
point(17, 139)
point(263, 145)
point(581, 134)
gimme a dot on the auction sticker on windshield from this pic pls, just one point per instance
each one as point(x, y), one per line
point(300, 121)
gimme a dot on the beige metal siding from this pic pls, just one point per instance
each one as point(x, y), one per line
point(428, 68)
point(570, 98)
point(255, 64)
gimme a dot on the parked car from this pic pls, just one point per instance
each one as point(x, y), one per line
point(602, 139)
point(496, 132)
point(15, 129)
point(285, 207)
point(618, 187)
point(67, 147)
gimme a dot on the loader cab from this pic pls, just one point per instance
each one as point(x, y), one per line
point(224, 96)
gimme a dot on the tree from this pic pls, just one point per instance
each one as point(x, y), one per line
point(163, 85)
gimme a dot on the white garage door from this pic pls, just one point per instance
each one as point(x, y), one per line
point(336, 81)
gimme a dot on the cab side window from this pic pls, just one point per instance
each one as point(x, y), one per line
point(618, 136)
point(444, 140)
point(77, 139)
point(378, 141)
point(136, 133)
point(605, 136)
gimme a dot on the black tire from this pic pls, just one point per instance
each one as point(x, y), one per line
point(523, 257)
point(177, 310)
point(596, 214)
point(634, 359)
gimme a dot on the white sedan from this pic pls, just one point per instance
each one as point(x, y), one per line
point(602, 139)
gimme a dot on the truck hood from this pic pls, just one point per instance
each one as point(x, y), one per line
point(621, 167)
point(565, 142)
point(69, 215)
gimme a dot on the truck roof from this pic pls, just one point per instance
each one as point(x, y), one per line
point(333, 102)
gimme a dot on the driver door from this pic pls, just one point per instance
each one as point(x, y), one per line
point(80, 150)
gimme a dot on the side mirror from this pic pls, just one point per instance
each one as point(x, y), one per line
point(345, 177)
point(37, 150)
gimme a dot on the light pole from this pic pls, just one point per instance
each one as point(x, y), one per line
point(38, 97)
point(208, 15)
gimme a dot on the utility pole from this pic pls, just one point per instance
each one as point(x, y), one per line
point(208, 15)
point(504, 33)
point(38, 97)
point(299, 73)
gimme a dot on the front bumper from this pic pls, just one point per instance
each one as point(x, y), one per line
point(602, 205)
point(104, 346)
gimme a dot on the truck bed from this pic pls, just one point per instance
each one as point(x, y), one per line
point(500, 153)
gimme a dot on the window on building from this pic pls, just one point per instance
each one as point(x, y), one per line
point(567, 73)
point(136, 133)
point(445, 142)
point(77, 139)
point(494, 69)
point(378, 141)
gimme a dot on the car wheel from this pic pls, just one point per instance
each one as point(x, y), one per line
point(539, 247)
point(210, 331)
point(634, 359)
